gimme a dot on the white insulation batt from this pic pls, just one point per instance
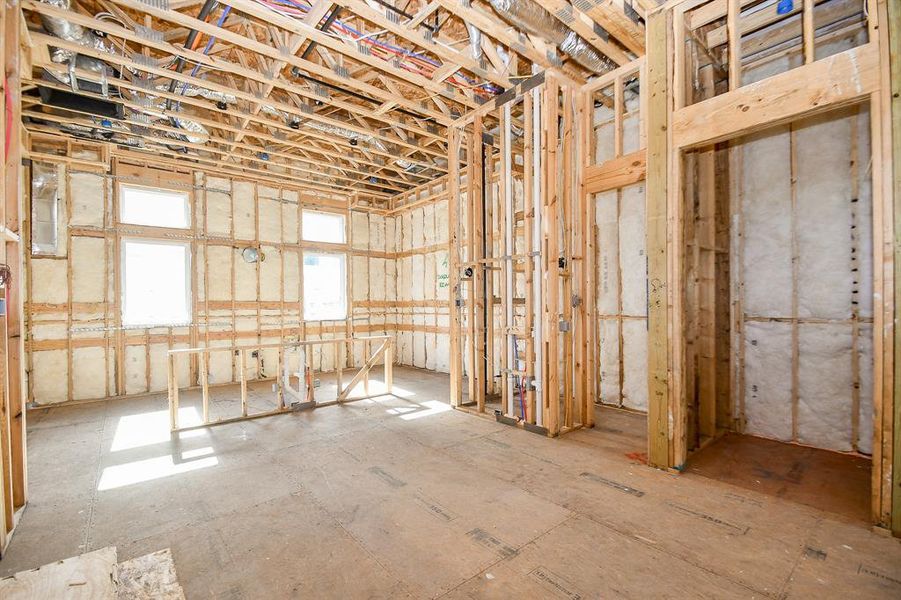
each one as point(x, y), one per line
point(621, 297)
point(230, 215)
point(417, 286)
point(827, 229)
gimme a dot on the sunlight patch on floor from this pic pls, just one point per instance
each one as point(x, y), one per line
point(149, 469)
point(432, 407)
point(145, 429)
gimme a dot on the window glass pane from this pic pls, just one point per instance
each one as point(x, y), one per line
point(323, 227)
point(324, 286)
point(155, 283)
point(156, 208)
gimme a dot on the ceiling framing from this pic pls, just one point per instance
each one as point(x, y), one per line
point(349, 97)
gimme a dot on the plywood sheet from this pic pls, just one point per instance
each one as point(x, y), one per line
point(91, 576)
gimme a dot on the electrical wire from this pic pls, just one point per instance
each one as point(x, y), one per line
point(414, 62)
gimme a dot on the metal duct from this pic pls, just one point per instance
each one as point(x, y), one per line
point(532, 18)
point(192, 91)
point(70, 32)
point(584, 54)
point(323, 127)
point(44, 208)
point(475, 36)
point(196, 133)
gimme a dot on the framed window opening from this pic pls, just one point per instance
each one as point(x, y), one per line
point(324, 286)
point(156, 283)
point(321, 226)
point(154, 207)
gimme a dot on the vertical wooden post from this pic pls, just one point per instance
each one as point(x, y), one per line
point(242, 369)
point(16, 249)
point(479, 304)
point(808, 32)
point(657, 90)
point(529, 215)
point(586, 383)
point(552, 245)
point(453, 209)
point(173, 394)
point(205, 384)
point(508, 265)
point(389, 366)
point(339, 366)
point(734, 33)
point(891, 18)
point(367, 349)
point(308, 373)
point(279, 380)
point(567, 220)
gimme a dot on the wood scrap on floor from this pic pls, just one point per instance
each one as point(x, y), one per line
point(97, 575)
point(93, 576)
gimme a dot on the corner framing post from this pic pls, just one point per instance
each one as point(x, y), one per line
point(658, 26)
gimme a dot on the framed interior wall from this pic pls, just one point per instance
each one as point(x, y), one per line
point(839, 78)
point(521, 333)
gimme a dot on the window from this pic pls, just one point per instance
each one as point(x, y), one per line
point(323, 227)
point(324, 287)
point(156, 208)
point(156, 283)
point(44, 210)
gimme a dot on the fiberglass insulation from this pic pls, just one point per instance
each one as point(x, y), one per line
point(828, 227)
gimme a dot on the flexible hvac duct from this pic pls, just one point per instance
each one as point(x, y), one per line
point(71, 32)
point(196, 133)
point(532, 18)
point(85, 63)
point(323, 127)
point(44, 207)
point(192, 91)
point(585, 55)
point(528, 16)
point(475, 36)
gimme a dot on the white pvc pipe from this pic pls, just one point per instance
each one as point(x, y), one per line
point(508, 237)
point(536, 248)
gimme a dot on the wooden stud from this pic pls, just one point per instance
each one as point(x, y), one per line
point(242, 373)
point(656, 190)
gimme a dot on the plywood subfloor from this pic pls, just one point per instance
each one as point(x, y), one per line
point(402, 497)
point(830, 481)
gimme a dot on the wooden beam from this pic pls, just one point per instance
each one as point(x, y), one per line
point(616, 173)
point(838, 80)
